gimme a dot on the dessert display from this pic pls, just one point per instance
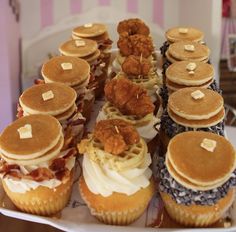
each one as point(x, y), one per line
point(198, 178)
point(88, 50)
point(188, 109)
point(130, 102)
point(58, 100)
point(97, 32)
point(36, 174)
point(117, 182)
point(74, 72)
point(154, 147)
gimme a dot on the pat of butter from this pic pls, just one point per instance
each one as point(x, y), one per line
point(25, 131)
point(102, 65)
point(183, 30)
point(191, 72)
point(79, 43)
point(191, 66)
point(48, 95)
point(66, 66)
point(208, 144)
point(198, 94)
point(87, 25)
point(189, 47)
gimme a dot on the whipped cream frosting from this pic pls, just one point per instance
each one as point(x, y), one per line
point(23, 185)
point(147, 132)
point(100, 179)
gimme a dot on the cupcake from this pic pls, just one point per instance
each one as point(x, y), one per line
point(87, 49)
point(191, 109)
point(198, 178)
point(141, 71)
point(97, 32)
point(117, 183)
point(36, 175)
point(74, 72)
point(130, 102)
point(58, 100)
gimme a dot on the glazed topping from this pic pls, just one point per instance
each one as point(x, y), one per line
point(48, 95)
point(182, 195)
point(208, 144)
point(116, 135)
point(66, 66)
point(25, 131)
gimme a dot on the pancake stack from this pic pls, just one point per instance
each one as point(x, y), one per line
point(197, 179)
point(60, 104)
point(73, 72)
point(192, 108)
point(184, 74)
point(30, 149)
point(87, 49)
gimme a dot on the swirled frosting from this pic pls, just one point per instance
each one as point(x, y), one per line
point(100, 179)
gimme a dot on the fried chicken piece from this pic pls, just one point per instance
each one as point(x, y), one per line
point(116, 135)
point(133, 26)
point(135, 65)
point(135, 45)
point(128, 97)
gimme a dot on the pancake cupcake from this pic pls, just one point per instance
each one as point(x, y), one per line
point(184, 74)
point(191, 109)
point(198, 178)
point(87, 49)
point(57, 100)
point(117, 183)
point(130, 102)
point(73, 72)
point(141, 72)
point(36, 175)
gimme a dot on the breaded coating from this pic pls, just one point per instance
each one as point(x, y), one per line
point(129, 98)
point(133, 26)
point(135, 65)
point(135, 45)
point(116, 135)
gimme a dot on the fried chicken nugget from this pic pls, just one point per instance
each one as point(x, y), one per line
point(135, 65)
point(129, 98)
point(135, 45)
point(133, 26)
point(116, 135)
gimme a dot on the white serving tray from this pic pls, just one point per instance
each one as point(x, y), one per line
point(76, 216)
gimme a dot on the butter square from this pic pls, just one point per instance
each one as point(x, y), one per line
point(183, 30)
point(208, 144)
point(191, 72)
point(191, 66)
point(87, 25)
point(189, 47)
point(25, 132)
point(47, 95)
point(66, 66)
point(79, 43)
point(198, 94)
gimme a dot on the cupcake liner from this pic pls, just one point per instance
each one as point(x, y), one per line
point(197, 215)
point(42, 200)
point(119, 217)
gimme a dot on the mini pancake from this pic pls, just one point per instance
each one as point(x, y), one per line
point(178, 52)
point(174, 87)
point(69, 48)
point(202, 123)
point(193, 34)
point(46, 132)
point(53, 72)
point(92, 57)
point(96, 29)
point(179, 74)
point(67, 114)
point(198, 165)
point(32, 101)
point(184, 105)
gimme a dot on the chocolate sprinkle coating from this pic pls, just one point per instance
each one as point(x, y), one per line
point(171, 128)
point(182, 195)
